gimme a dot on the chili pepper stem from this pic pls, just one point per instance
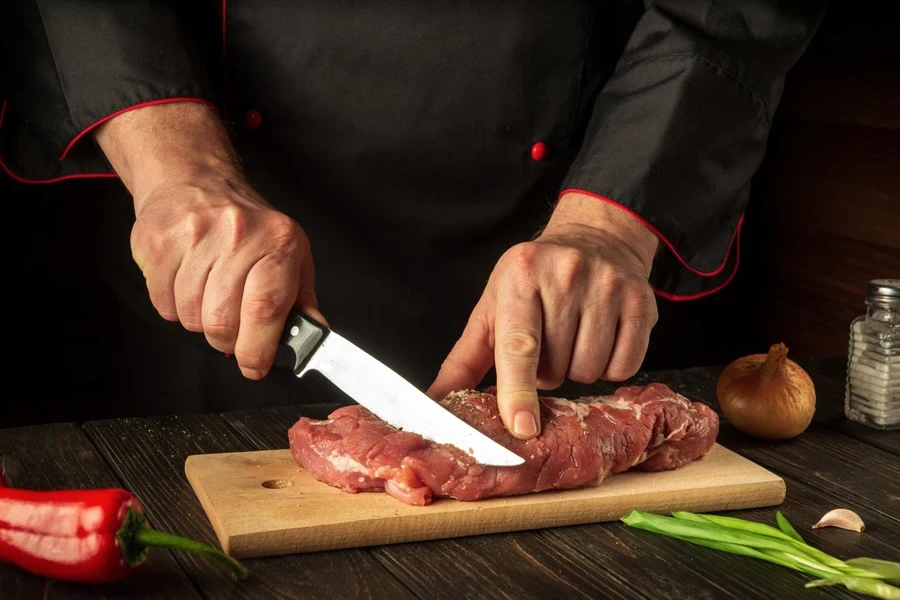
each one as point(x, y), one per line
point(147, 537)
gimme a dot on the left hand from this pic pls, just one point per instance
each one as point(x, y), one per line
point(575, 303)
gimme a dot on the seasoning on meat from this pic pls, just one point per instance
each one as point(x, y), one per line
point(649, 428)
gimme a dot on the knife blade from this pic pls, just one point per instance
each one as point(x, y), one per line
point(307, 345)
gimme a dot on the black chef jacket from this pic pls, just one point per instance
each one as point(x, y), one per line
point(414, 141)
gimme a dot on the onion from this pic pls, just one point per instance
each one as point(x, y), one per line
point(767, 396)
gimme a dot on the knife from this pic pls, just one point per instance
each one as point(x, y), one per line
point(307, 345)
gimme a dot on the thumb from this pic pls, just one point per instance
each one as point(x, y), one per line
point(469, 360)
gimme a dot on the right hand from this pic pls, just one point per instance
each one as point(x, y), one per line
point(223, 262)
point(216, 256)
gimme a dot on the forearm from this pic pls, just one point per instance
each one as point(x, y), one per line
point(166, 143)
point(576, 208)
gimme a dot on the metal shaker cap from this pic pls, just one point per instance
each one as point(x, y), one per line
point(884, 290)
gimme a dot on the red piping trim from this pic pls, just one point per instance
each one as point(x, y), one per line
point(55, 179)
point(659, 234)
point(124, 110)
point(679, 298)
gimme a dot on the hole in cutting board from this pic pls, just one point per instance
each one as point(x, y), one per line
point(276, 484)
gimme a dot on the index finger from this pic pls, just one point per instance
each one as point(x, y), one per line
point(519, 323)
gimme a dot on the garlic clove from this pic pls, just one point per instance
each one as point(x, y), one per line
point(842, 518)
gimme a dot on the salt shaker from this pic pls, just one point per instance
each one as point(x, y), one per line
point(873, 364)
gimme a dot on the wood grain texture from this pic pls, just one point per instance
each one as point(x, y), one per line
point(845, 472)
point(60, 456)
point(518, 565)
point(823, 214)
point(262, 504)
point(601, 561)
point(149, 453)
point(536, 564)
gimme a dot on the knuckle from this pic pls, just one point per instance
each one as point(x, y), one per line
point(520, 343)
point(264, 308)
point(642, 310)
point(149, 247)
point(236, 223)
point(570, 269)
point(584, 373)
point(188, 309)
point(162, 302)
point(284, 232)
point(221, 326)
point(193, 228)
point(612, 279)
point(523, 258)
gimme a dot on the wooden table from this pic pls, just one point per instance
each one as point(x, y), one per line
point(833, 464)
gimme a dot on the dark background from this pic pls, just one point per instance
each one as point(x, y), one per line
point(824, 219)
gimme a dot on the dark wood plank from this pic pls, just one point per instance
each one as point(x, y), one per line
point(604, 560)
point(59, 456)
point(846, 472)
point(804, 503)
point(803, 506)
point(149, 454)
point(829, 376)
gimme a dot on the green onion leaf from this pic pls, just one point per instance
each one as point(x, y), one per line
point(751, 552)
point(800, 560)
point(870, 587)
point(782, 546)
point(885, 568)
point(717, 533)
point(785, 526)
point(737, 524)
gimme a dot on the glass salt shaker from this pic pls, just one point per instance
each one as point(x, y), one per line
point(873, 364)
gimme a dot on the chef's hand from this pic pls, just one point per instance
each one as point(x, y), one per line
point(216, 256)
point(575, 303)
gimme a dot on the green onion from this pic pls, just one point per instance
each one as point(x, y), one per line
point(719, 533)
point(768, 530)
point(871, 587)
point(782, 546)
point(738, 524)
point(785, 526)
point(801, 560)
point(885, 568)
point(770, 556)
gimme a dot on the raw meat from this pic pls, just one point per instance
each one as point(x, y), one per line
point(582, 441)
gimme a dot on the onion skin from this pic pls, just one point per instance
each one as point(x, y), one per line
point(767, 396)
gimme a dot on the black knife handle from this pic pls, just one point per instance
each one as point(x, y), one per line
point(300, 338)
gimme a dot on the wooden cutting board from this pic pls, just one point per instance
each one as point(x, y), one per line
point(264, 504)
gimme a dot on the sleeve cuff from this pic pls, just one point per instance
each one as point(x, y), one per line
point(27, 157)
point(673, 277)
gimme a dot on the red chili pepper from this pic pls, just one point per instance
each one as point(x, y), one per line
point(92, 536)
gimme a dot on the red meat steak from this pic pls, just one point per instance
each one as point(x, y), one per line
point(582, 441)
